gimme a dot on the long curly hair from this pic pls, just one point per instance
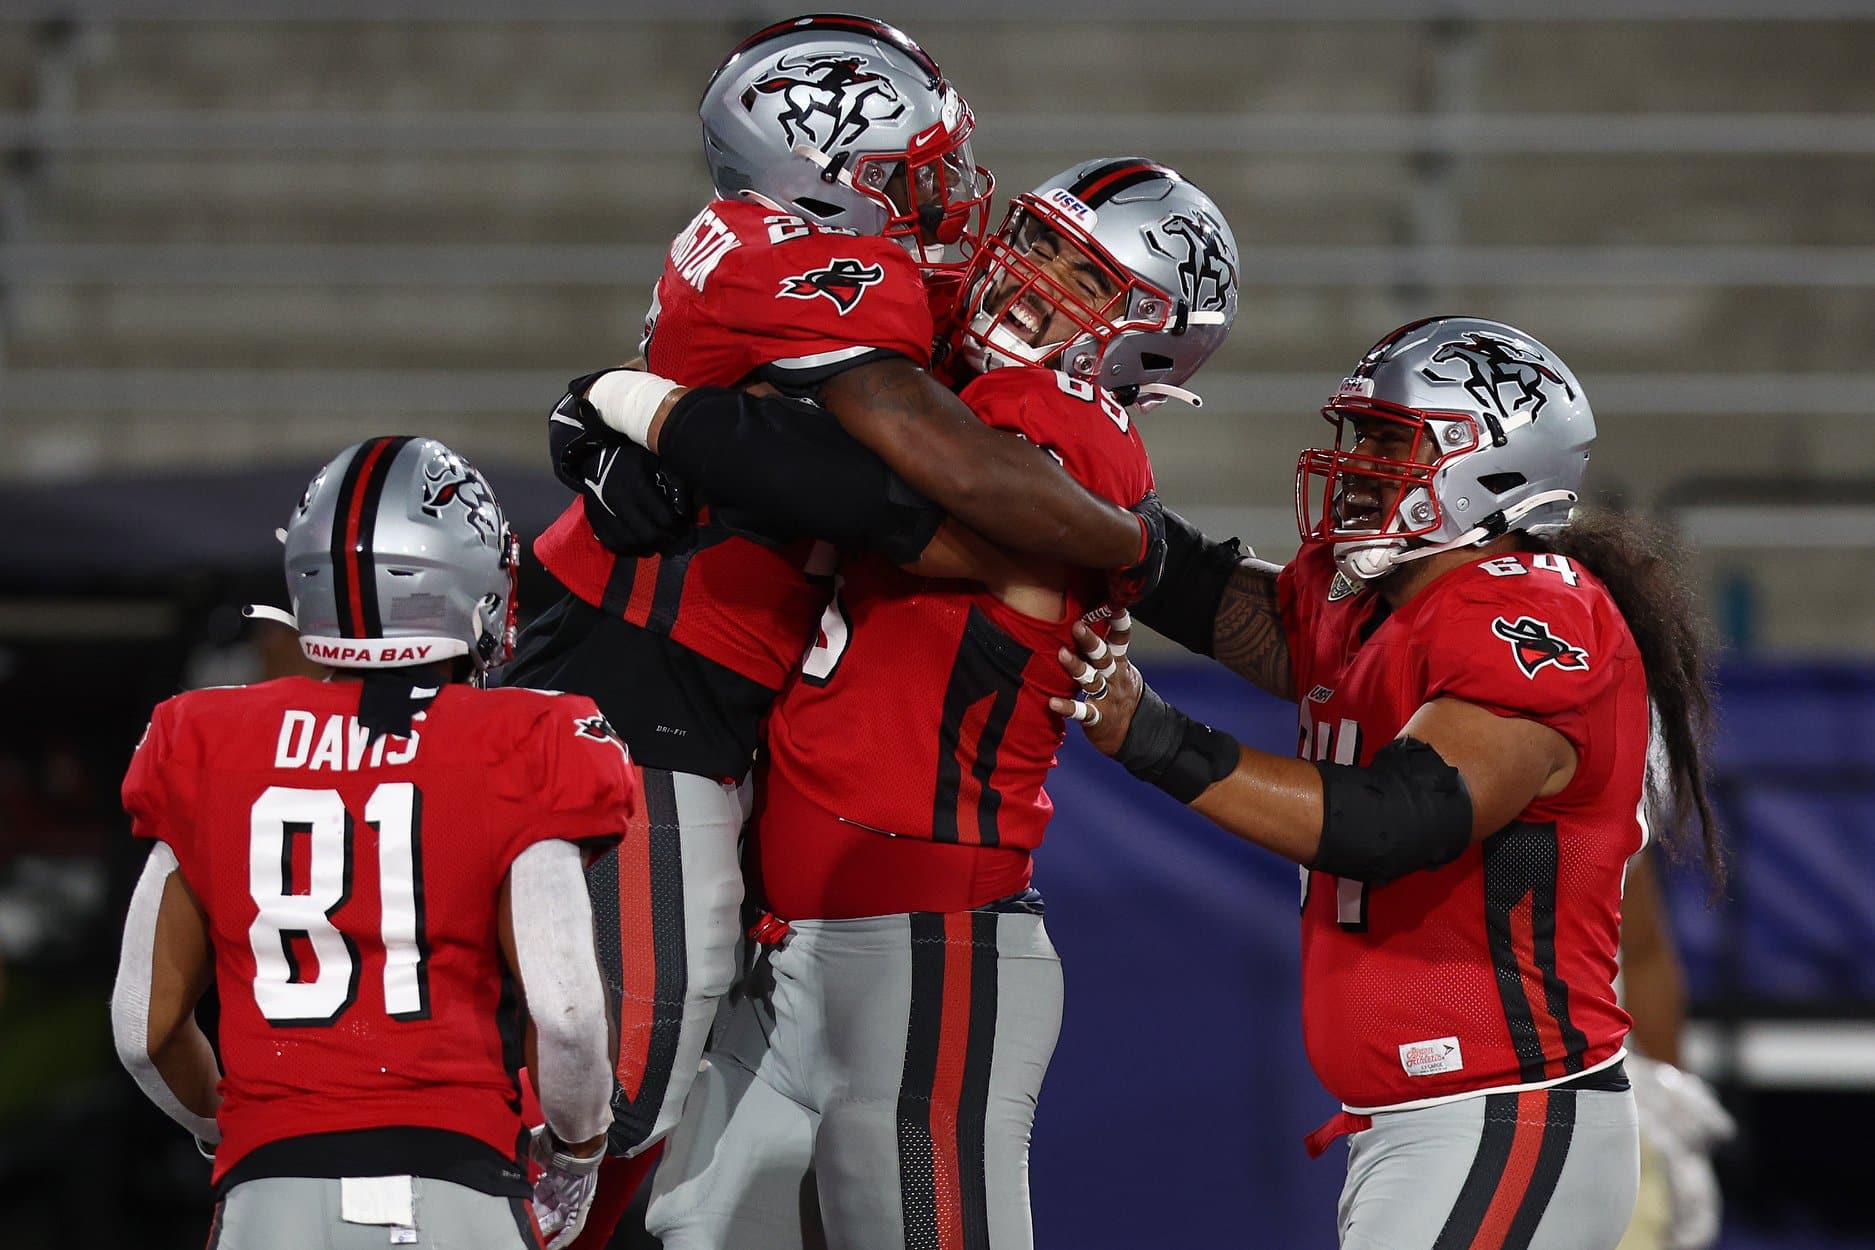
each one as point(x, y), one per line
point(1643, 564)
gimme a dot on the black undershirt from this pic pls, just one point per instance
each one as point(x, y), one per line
point(675, 709)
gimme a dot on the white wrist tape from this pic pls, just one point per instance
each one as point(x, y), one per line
point(627, 400)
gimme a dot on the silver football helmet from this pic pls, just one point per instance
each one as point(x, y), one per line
point(399, 554)
point(1485, 431)
point(1115, 271)
point(846, 122)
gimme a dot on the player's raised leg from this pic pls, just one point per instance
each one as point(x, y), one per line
point(681, 885)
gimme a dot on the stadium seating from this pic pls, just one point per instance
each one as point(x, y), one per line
point(237, 238)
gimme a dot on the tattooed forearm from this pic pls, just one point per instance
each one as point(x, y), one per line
point(1249, 638)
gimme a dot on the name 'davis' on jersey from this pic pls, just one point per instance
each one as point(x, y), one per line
point(340, 744)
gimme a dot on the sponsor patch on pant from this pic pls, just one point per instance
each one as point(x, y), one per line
point(1429, 1058)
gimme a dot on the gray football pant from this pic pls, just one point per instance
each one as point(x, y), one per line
point(871, 1085)
point(665, 911)
point(304, 1213)
point(1543, 1170)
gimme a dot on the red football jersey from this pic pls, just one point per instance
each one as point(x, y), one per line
point(1496, 970)
point(748, 292)
point(351, 887)
point(922, 710)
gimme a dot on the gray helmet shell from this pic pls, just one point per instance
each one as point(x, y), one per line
point(1163, 239)
point(817, 114)
point(399, 554)
point(1509, 426)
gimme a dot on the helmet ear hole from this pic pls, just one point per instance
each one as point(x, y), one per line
point(820, 208)
point(1154, 361)
point(1499, 483)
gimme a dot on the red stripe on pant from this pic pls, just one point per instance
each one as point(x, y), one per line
point(947, 1090)
point(1532, 1114)
point(637, 956)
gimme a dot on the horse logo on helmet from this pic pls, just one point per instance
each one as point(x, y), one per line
point(453, 482)
point(1490, 363)
point(828, 101)
point(1207, 268)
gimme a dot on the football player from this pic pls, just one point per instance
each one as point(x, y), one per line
point(902, 794)
point(1472, 663)
point(380, 873)
point(841, 156)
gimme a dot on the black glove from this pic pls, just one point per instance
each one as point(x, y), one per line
point(1133, 583)
point(634, 505)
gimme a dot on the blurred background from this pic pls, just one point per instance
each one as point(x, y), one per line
point(238, 234)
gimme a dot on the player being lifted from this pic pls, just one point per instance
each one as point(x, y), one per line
point(840, 156)
point(893, 1045)
point(376, 872)
point(1473, 664)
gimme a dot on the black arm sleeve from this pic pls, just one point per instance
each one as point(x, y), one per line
point(785, 469)
point(1184, 605)
point(1407, 810)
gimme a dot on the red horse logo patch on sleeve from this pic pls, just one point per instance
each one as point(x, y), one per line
point(842, 281)
point(1534, 645)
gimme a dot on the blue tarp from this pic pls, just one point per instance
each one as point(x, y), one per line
point(1796, 792)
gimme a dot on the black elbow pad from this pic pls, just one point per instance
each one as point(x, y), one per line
point(785, 469)
point(1406, 811)
point(1183, 606)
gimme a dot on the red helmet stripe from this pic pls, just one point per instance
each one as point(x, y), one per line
point(1102, 183)
point(354, 568)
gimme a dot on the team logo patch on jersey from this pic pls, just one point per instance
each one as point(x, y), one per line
point(1321, 694)
point(842, 281)
point(599, 729)
point(828, 101)
point(1534, 645)
point(1343, 587)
